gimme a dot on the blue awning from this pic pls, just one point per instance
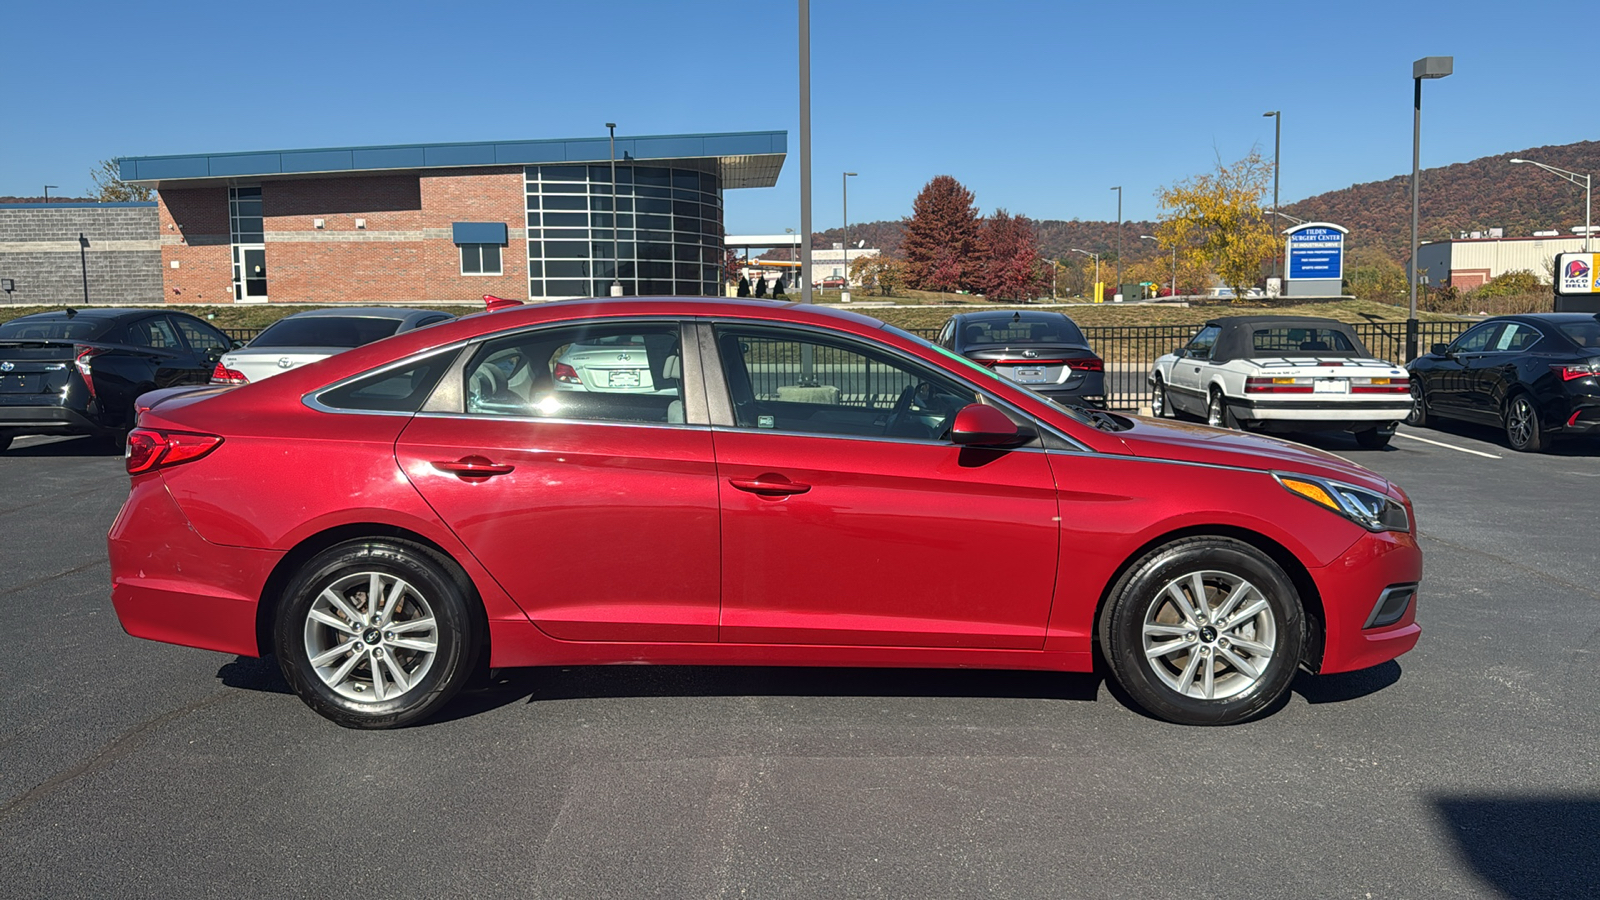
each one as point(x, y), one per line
point(479, 232)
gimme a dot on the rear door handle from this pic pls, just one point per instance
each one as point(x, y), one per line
point(767, 485)
point(473, 468)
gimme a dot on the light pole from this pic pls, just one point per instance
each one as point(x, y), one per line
point(616, 264)
point(1118, 189)
point(1277, 147)
point(844, 183)
point(805, 157)
point(1427, 67)
point(1146, 237)
point(1096, 262)
point(1588, 194)
point(1287, 216)
point(47, 191)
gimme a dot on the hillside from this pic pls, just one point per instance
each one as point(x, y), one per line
point(1471, 196)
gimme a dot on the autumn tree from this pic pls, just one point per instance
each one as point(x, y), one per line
point(881, 272)
point(1373, 274)
point(1217, 219)
point(109, 186)
point(1010, 257)
point(941, 246)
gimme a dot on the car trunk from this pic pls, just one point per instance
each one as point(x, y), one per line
point(1041, 366)
point(36, 373)
point(266, 362)
point(1307, 377)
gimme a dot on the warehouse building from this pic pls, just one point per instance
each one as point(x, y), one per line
point(529, 220)
point(1473, 261)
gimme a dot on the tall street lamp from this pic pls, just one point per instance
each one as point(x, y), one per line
point(1277, 147)
point(1287, 216)
point(1588, 195)
point(844, 183)
point(47, 191)
point(616, 264)
point(1096, 262)
point(805, 159)
point(1118, 189)
point(1427, 67)
point(1146, 237)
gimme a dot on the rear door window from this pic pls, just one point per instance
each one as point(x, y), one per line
point(626, 372)
point(156, 333)
point(203, 339)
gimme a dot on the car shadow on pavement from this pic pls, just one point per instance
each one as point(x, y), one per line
point(1527, 848)
point(1345, 685)
point(1444, 429)
point(65, 447)
point(251, 674)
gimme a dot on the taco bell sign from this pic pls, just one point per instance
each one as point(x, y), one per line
point(1315, 253)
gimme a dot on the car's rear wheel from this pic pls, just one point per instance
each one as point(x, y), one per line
point(1204, 631)
point(1218, 413)
point(1523, 431)
point(1160, 406)
point(1419, 415)
point(375, 634)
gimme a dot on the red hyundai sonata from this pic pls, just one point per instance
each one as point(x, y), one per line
point(744, 483)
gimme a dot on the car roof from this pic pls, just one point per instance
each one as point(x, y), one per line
point(1021, 315)
point(1553, 318)
point(92, 313)
point(366, 312)
point(1277, 322)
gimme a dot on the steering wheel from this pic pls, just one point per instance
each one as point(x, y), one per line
point(919, 395)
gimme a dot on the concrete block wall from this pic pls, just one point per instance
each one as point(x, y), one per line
point(41, 254)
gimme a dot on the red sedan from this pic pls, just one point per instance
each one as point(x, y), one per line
point(736, 482)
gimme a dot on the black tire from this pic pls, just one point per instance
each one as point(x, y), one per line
point(434, 594)
point(1419, 416)
point(1219, 414)
point(1524, 432)
point(1139, 600)
point(1160, 403)
point(1374, 438)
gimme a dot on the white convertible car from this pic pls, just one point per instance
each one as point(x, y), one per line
point(1283, 373)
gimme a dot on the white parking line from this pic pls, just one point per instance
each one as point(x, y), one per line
point(1413, 437)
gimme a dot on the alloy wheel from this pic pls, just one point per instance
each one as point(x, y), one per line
point(1209, 635)
point(1214, 412)
point(371, 636)
point(1522, 423)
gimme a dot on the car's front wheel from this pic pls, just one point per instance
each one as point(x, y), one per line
point(1204, 631)
point(1160, 405)
point(375, 633)
point(1523, 431)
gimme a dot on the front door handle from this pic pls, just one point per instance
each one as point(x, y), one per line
point(473, 468)
point(769, 486)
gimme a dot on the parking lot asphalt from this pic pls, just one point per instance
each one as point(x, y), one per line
point(1466, 769)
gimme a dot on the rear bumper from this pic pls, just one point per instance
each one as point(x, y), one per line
point(1352, 587)
point(20, 418)
point(1386, 410)
point(169, 584)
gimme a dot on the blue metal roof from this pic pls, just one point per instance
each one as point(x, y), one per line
point(747, 159)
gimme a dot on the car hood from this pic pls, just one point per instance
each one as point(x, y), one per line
point(1194, 443)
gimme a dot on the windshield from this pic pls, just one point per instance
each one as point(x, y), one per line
point(1028, 329)
point(325, 331)
point(54, 329)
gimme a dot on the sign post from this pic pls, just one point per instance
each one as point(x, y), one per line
point(1315, 254)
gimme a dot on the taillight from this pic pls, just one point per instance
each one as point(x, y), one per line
point(83, 361)
point(149, 449)
point(1087, 365)
point(1380, 386)
point(224, 375)
point(1574, 371)
point(1270, 385)
point(567, 374)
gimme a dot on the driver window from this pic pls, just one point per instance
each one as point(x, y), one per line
point(1199, 347)
point(794, 381)
point(154, 332)
point(1475, 340)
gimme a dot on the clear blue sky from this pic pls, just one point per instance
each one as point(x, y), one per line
point(1037, 107)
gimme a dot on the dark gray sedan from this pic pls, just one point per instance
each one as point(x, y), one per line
point(1044, 351)
point(317, 334)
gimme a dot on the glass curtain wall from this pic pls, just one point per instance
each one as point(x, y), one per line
point(667, 228)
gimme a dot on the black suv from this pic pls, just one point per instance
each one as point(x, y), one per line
point(80, 371)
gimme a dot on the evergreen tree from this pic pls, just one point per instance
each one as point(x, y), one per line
point(941, 245)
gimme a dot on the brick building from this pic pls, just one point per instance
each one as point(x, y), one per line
point(450, 222)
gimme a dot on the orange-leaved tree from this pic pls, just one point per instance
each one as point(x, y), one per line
point(1216, 219)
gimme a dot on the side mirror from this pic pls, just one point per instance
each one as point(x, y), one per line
point(977, 425)
point(1441, 350)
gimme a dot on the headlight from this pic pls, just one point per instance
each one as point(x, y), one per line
point(1369, 509)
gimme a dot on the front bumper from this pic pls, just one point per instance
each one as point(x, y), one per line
point(1352, 587)
point(169, 584)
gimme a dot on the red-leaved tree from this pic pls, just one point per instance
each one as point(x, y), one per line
point(1011, 257)
point(941, 245)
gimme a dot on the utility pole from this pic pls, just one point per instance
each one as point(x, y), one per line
point(1118, 291)
point(844, 183)
point(616, 263)
point(805, 152)
point(1427, 67)
point(1277, 147)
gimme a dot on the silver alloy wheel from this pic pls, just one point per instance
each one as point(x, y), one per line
point(371, 636)
point(1417, 411)
point(1214, 412)
point(1209, 635)
point(1158, 400)
point(1522, 422)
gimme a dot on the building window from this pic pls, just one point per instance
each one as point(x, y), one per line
point(480, 259)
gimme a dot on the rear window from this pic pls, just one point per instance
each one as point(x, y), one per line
point(393, 390)
point(325, 331)
point(55, 329)
point(1584, 334)
point(1302, 340)
point(1027, 330)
